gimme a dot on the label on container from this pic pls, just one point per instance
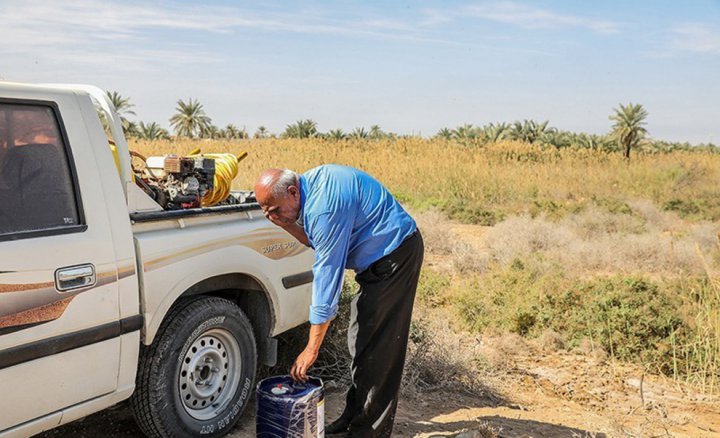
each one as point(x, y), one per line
point(321, 418)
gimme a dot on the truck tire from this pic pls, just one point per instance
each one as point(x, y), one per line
point(197, 376)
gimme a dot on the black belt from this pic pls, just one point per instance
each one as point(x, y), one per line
point(409, 236)
point(385, 257)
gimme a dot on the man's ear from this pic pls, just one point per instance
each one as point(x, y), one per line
point(294, 191)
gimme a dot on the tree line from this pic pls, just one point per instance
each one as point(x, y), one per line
point(628, 130)
point(191, 121)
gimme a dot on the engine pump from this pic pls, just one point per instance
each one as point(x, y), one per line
point(179, 182)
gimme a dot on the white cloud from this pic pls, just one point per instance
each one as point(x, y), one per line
point(48, 21)
point(96, 19)
point(90, 32)
point(529, 17)
point(434, 17)
point(697, 38)
point(94, 36)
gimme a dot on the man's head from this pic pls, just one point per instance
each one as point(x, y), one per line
point(278, 192)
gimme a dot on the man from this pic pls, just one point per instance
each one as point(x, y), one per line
point(353, 222)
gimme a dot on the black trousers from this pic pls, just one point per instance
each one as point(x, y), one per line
point(378, 336)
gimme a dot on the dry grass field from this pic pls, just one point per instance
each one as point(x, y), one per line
point(484, 184)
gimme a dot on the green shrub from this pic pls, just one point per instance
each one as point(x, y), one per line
point(631, 318)
point(685, 207)
point(432, 288)
point(553, 209)
point(614, 205)
point(470, 212)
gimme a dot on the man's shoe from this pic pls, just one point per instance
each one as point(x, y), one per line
point(341, 425)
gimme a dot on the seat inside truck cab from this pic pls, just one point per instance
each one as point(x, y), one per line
point(35, 191)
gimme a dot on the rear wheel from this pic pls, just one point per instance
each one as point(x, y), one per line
point(197, 376)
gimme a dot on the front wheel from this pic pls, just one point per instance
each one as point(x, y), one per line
point(197, 376)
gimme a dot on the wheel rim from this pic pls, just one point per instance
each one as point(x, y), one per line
point(209, 374)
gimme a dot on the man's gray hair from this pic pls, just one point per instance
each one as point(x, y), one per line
point(286, 179)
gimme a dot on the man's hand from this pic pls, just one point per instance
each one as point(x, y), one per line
point(302, 364)
point(308, 357)
point(275, 219)
point(292, 228)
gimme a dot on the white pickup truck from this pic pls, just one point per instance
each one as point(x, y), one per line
point(105, 295)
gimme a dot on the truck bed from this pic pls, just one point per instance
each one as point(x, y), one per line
point(246, 203)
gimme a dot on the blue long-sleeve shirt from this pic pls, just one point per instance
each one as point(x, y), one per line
point(352, 221)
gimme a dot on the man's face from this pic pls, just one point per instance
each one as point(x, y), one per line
point(281, 210)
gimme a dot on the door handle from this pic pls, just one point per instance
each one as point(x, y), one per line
point(75, 277)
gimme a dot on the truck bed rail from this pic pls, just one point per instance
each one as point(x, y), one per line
point(150, 216)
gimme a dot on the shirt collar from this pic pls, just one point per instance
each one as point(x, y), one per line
point(303, 197)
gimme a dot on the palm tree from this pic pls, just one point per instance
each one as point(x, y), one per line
point(376, 132)
point(590, 141)
point(359, 133)
point(261, 132)
point(559, 139)
point(465, 132)
point(444, 133)
point(629, 127)
point(212, 132)
point(495, 132)
point(122, 107)
point(292, 130)
point(232, 132)
point(531, 131)
point(336, 134)
point(152, 131)
point(301, 129)
point(189, 119)
point(132, 129)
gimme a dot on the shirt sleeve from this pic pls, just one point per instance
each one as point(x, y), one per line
point(331, 240)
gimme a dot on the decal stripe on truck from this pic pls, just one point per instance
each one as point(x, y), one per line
point(58, 344)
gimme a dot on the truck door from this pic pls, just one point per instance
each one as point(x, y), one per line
point(59, 312)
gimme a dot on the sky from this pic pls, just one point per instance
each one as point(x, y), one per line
point(411, 67)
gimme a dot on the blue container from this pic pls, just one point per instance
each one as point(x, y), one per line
point(290, 410)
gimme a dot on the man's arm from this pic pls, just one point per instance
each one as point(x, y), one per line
point(297, 232)
point(331, 237)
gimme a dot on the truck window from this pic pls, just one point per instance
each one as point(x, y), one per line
point(36, 185)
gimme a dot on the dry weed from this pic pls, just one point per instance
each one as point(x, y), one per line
point(524, 235)
point(550, 340)
point(596, 242)
point(589, 348)
point(500, 350)
point(436, 234)
point(441, 358)
point(466, 258)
